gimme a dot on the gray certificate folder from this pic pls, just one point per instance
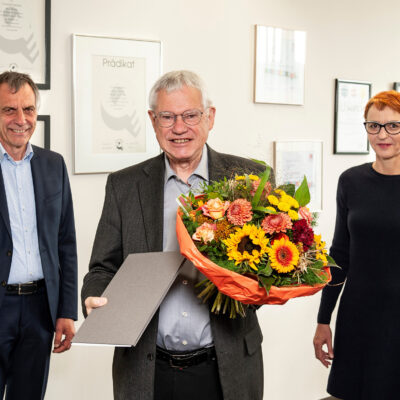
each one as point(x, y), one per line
point(134, 295)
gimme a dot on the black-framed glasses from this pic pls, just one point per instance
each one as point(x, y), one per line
point(391, 128)
point(190, 117)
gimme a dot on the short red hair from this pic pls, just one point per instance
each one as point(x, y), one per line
point(390, 99)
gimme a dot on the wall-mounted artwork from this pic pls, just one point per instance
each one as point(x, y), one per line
point(295, 159)
point(25, 39)
point(279, 65)
point(41, 136)
point(112, 78)
point(350, 100)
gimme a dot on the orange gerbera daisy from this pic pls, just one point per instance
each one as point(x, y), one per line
point(283, 255)
point(239, 212)
point(276, 223)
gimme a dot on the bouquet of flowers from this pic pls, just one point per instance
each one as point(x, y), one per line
point(254, 243)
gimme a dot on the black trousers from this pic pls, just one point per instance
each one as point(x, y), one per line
point(26, 333)
point(197, 382)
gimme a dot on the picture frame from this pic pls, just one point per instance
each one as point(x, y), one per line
point(349, 133)
point(280, 56)
point(295, 159)
point(112, 78)
point(41, 136)
point(25, 31)
point(396, 86)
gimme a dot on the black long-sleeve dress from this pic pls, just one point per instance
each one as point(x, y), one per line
point(366, 245)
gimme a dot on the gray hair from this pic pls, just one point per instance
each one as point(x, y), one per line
point(175, 80)
point(15, 80)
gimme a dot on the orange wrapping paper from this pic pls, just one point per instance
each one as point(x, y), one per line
point(239, 287)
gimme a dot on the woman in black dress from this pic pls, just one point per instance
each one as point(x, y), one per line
point(366, 353)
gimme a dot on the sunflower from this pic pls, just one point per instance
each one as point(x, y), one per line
point(283, 255)
point(247, 244)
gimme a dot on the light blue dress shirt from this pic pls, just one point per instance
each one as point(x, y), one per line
point(184, 321)
point(26, 265)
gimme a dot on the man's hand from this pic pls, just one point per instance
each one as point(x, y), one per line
point(64, 327)
point(94, 302)
point(323, 336)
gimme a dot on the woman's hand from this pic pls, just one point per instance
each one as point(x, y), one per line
point(323, 336)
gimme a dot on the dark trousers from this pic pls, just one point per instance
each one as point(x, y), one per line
point(26, 333)
point(197, 382)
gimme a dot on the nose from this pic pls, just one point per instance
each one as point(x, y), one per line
point(179, 126)
point(20, 117)
point(382, 133)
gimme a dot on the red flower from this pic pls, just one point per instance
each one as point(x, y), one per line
point(303, 233)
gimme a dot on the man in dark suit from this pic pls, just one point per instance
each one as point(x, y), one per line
point(186, 352)
point(38, 274)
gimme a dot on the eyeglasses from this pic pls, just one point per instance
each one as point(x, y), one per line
point(167, 119)
point(391, 128)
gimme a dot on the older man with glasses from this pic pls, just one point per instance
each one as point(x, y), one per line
point(185, 352)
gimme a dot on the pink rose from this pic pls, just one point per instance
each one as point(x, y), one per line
point(205, 232)
point(305, 213)
point(215, 208)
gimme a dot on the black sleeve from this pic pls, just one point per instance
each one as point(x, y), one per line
point(340, 253)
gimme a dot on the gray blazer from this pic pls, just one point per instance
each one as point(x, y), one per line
point(131, 222)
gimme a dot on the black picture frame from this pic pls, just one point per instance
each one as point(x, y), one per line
point(396, 86)
point(349, 133)
point(47, 39)
point(25, 39)
point(45, 140)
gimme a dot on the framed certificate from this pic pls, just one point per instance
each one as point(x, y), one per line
point(350, 100)
point(41, 136)
point(111, 80)
point(295, 159)
point(279, 65)
point(25, 39)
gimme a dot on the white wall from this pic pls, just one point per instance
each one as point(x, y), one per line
point(348, 40)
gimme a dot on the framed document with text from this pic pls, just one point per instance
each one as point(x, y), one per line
point(350, 100)
point(25, 39)
point(112, 78)
point(295, 159)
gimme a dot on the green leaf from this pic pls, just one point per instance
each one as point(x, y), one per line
point(266, 282)
point(267, 271)
point(302, 194)
point(330, 260)
point(264, 210)
point(259, 161)
point(263, 180)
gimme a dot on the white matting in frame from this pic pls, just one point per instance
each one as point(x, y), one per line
point(25, 38)
point(295, 159)
point(279, 65)
point(112, 78)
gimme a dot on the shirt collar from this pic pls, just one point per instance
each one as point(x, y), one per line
point(28, 153)
point(201, 170)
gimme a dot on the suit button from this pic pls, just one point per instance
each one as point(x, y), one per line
point(150, 356)
point(3, 283)
point(9, 253)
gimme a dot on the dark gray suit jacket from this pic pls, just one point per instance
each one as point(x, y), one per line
point(56, 233)
point(131, 222)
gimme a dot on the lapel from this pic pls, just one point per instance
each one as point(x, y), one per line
point(38, 188)
point(3, 204)
point(151, 197)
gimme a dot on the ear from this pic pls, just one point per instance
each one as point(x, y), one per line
point(211, 117)
point(152, 118)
